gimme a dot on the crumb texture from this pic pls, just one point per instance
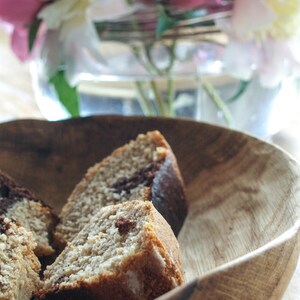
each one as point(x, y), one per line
point(126, 174)
point(20, 204)
point(36, 218)
point(118, 255)
point(19, 265)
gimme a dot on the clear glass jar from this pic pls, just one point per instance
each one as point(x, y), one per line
point(182, 78)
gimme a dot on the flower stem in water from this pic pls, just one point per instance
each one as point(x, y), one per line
point(209, 89)
point(158, 99)
point(143, 100)
point(171, 96)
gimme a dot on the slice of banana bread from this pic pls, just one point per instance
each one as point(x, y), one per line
point(127, 251)
point(19, 266)
point(20, 204)
point(145, 168)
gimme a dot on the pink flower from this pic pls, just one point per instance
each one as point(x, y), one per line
point(19, 43)
point(20, 15)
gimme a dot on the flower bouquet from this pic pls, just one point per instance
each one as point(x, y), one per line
point(163, 39)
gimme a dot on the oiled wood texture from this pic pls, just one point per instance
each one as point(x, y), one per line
point(241, 236)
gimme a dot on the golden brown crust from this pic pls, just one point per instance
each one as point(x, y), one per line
point(167, 243)
point(168, 194)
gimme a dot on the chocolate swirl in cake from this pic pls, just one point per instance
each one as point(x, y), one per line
point(3, 226)
point(144, 176)
point(18, 203)
point(11, 193)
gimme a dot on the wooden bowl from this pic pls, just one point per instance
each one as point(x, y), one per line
point(241, 236)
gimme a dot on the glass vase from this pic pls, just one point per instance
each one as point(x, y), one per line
point(182, 78)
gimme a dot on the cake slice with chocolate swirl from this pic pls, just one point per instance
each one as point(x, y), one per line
point(127, 251)
point(145, 168)
point(18, 203)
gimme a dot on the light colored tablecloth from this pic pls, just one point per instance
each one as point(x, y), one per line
point(17, 101)
point(16, 95)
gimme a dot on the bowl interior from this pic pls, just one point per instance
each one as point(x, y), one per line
point(242, 192)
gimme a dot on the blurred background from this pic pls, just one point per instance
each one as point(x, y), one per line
point(17, 98)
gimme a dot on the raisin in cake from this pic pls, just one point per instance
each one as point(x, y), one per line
point(145, 168)
point(20, 204)
point(127, 251)
point(19, 266)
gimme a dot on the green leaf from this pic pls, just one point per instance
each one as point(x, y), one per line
point(164, 22)
point(67, 94)
point(215, 97)
point(33, 30)
point(241, 89)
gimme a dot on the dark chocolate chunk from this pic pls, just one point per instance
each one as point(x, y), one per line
point(3, 226)
point(124, 225)
point(60, 280)
point(144, 176)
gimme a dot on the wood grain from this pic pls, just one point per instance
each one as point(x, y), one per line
point(241, 237)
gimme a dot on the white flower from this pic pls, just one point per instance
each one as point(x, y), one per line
point(78, 40)
point(62, 11)
point(264, 39)
point(101, 10)
point(272, 60)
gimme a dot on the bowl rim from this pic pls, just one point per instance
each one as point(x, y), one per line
point(292, 232)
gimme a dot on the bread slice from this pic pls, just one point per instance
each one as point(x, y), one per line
point(19, 272)
point(145, 168)
point(20, 204)
point(127, 251)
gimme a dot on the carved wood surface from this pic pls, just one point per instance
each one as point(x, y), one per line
point(241, 237)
